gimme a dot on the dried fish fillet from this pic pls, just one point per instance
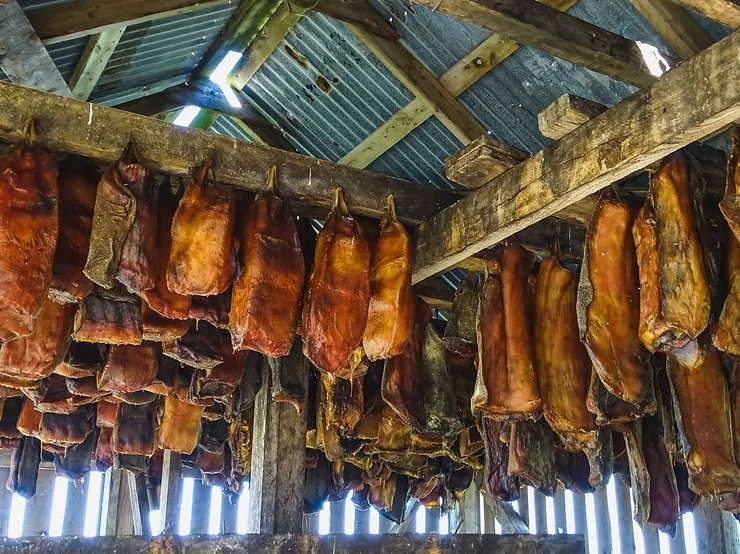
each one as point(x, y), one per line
point(266, 298)
point(460, 333)
point(499, 482)
point(158, 328)
point(338, 295)
point(134, 432)
point(179, 427)
point(67, 429)
point(730, 204)
point(108, 319)
point(129, 368)
point(532, 455)
point(726, 333)
point(24, 467)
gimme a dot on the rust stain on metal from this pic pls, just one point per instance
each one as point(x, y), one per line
point(323, 83)
point(297, 57)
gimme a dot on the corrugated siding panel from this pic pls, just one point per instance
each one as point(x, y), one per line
point(67, 54)
point(225, 126)
point(160, 50)
point(361, 95)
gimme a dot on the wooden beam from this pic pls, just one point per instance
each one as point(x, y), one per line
point(482, 160)
point(102, 133)
point(674, 26)
point(566, 114)
point(726, 12)
point(534, 24)
point(79, 18)
point(435, 296)
point(633, 134)
point(264, 44)
point(411, 543)
point(353, 12)
point(22, 56)
point(98, 51)
point(169, 492)
point(487, 55)
point(422, 84)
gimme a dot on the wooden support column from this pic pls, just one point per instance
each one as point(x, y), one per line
point(38, 508)
point(468, 512)
point(109, 506)
point(311, 524)
point(603, 524)
point(540, 512)
point(229, 515)
point(22, 56)
point(716, 531)
point(139, 503)
point(362, 521)
point(561, 525)
point(649, 125)
point(385, 525)
point(624, 517)
point(278, 459)
point(201, 509)
point(75, 509)
point(432, 517)
point(524, 507)
point(650, 539)
point(336, 517)
point(95, 57)
point(170, 492)
point(579, 517)
point(677, 544)
point(503, 512)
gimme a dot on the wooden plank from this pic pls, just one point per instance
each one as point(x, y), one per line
point(468, 512)
point(139, 503)
point(677, 544)
point(109, 506)
point(540, 512)
point(278, 458)
point(422, 84)
point(200, 514)
point(410, 543)
point(674, 26)
point(75, 508)
point(95, 57)
point(559, 34)
point(354, 12)
point(624, 517)
point(37, 516)
point(628, 137)
point(431, 520)
point(264, 44)
point(336, 516)
point(170, 498)
point(229, 515)
point(509, 520)
point(102, 133)
point(580, 520)
point(566, 114)
point(384, 526)
point(465, 73)
point(482, 160)
point(523, 503)
point(362, 521)
point(650, 539)
point(603, 523)
point(6, 497)
point(561, 525)
point(79, 18)
point(311, 524)
point(726, 12)
point(22, 56)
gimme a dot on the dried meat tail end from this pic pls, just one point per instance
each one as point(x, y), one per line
point(199, 173)
point(339, 202)
point(272, 180)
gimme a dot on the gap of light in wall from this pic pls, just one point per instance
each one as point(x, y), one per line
point(444, 524)
point(593, 545)
point(324, 519)
point(58, 504)
point(611, 498)
point(220, 76)
point(242, 516)
point(420, 522)
point(183, 527)
point(155, 523)
point(214, 520)
point(94, 481)
point(186, 116)
point(657, 64)
point(17, 515)
point(374, 521)
point(482, 513)
point(689, 533)
point(533, 512)
point(636, 529)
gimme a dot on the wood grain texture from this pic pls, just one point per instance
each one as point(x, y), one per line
point(169, 492)
point(95, 57)
point(630, 136)
point(566, 114)
point(481, 161)
point(726, 12)
point(78, 18)
point(674, 25)
point(22, 56)
point(102, 133)
point(538, 25)
point(355, 12)
point(112, 488)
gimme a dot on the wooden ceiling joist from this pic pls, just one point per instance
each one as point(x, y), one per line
point(78, 18)
point(726, 12)
point(101, 133)
point(355, 12)
point(674, 25)
point(456, 80)
point(23, 57)
point(535, 24)
point(98, 51)
point(690, 102)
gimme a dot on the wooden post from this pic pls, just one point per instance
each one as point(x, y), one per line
point(336, 517)
point(603, 525)
point(229, 515)
point(278, 459)
point(540, 512)
point(201, 509)
point(579, 516)
point(109, 505)
point(624, 517)
point(650, 539)
point(139, 503)
point(362, 521)
point(561, 525)
point(524, 505)
point(75, 510)
point(385, 525)
point(677, 544)
point(468, 512)
point(6, 497)
point(170, 492)
point(311, 524)
point(38, 508)
point(432, 520)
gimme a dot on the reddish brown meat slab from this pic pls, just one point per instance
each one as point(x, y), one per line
point(129, 368)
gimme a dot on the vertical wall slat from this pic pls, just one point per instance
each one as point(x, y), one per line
point(432, 520)
point(201, 509)
point(385, 525)
point(38, 508)
point(523, 503)
point(677, 544)
point(311, 524)
point(229, 515)
point(170, 492)
point(561, 525)
point(362, 521)
point(731, 536)
point(624, 517)
point(540, 512)
point(109, 505)
point(6, 498)
point(468, 512)
point(139, 504)
point(650, 539)
point(603, 525)
point(75, 509)
point(489, 519)
point(716, 531)
point(336, 517)
point(580, 521)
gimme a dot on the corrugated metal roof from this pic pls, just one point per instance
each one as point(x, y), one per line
point(226, 126)
point(66, 55)
point(164, 50)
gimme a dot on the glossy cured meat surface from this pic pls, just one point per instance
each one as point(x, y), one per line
point(108, 319)
point(390, 319)
point(726, 333)
point(730, 204)
point(460, 333)
point(179, 427)
point(134, 431)
point(338, 295)
point(202, 258)
point(29, 225)
point(129, 368)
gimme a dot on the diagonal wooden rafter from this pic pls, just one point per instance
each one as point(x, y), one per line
point(98, 51)
point(22, 56)
point(726, 12)
point(559, 34)
point(674, 25)
point(651, 124)
point(456, 80)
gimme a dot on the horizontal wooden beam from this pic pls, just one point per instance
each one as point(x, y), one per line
point(78, 18)
point(535, 24)
point(726, 12)
point(566, 114)
point(102, 133)
point(354, 12)
point(302, 544)
point(686, 104)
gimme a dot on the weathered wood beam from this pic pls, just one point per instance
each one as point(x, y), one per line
point(169, 492)
point(508, 518)
point(562, 35)
point(482, 160)
point(674, 25)
point(688, 103)
point(456, 80)
point(22, 56)
point(78, 18)
point(435, 296)
point(411, 543)
point(101, 133)
point(566, 114)
point(95, 57)
point(422, 84)
point(726, 12)
point(354, 12)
